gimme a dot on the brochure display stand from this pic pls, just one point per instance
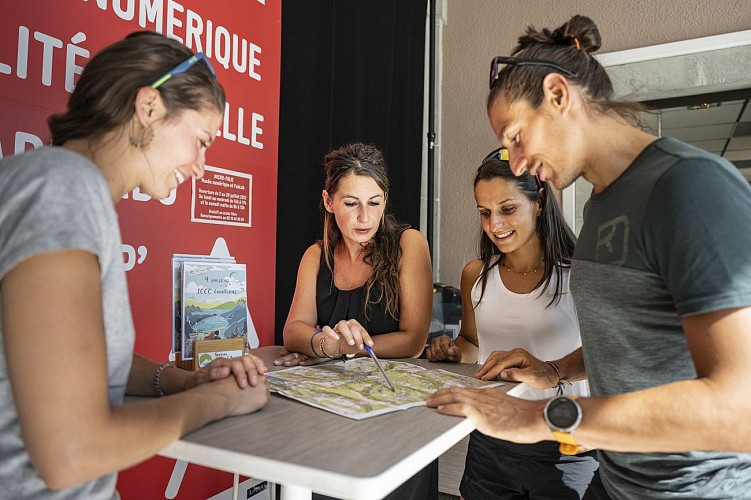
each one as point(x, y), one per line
point(209, 303)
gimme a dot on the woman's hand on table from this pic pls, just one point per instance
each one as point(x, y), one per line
point(444, 349)
point(296, 358)
point(518, 365)
point(247, 370)
point(239, 401)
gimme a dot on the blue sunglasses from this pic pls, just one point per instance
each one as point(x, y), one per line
point(182, 68)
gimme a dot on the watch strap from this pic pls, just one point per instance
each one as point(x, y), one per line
point(568, 446)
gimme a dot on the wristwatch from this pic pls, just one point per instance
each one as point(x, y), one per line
point(563, 415)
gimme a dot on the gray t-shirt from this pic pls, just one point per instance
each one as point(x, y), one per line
point(669, 238)
point(52, 199)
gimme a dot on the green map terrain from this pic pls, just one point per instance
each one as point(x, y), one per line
point(356, 389)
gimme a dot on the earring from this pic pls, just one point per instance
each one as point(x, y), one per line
point(147, 135)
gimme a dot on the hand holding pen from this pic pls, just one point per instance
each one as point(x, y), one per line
point(347, 337)
point(352, 336)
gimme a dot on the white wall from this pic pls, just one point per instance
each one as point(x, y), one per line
point(477, 30)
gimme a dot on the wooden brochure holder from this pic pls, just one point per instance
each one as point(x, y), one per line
point(205, 351)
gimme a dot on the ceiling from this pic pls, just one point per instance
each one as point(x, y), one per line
point(723, 128)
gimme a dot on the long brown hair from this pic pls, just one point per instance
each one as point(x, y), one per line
point(556, 236)
point(570, 46)
point(383, 251)
point(105, 95)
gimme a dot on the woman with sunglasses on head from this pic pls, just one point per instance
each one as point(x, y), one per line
point(516, 299)
point(142, 115)
point(661, 276)
point(367, 282)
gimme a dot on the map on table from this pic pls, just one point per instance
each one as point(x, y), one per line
point(357, 390)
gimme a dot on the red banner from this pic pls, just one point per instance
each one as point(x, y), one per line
point(44, 44)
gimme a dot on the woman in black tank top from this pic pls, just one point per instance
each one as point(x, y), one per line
point(367, 281)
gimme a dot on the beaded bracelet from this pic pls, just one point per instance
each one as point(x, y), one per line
point(561, 381)
point(157, 376)
point(323, 338)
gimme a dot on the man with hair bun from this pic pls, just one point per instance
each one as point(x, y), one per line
point(661, 278)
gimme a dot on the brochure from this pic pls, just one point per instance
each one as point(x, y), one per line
point(214, 303)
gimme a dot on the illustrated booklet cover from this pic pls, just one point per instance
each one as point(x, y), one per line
point(214, 303)
point(177, 293)
point(355, 389)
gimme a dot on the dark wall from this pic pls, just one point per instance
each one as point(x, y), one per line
point(351, 71)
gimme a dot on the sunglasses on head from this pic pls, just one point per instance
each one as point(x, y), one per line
point(182, 68)
point(502, 154)
point(496, 65)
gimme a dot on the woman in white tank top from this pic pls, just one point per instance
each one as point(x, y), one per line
point(516, 297)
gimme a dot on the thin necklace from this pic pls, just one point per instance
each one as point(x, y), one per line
point(523, 273)
point(342, 274)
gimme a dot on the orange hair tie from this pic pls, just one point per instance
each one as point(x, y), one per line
point(576, 41)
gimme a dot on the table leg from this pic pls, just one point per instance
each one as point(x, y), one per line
point(272, 490)
point(290, 492)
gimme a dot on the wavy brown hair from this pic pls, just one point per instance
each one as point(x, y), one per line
point(557, 238)
point(383, 251)
point(571, 46)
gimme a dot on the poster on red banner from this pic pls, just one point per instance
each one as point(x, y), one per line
point(44, 46)
point(222, 197)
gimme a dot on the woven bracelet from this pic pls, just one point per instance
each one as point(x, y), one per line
point(561, 381)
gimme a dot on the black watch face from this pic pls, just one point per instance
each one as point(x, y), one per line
point(562, 413)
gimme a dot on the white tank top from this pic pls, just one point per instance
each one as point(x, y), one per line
point(506, 320)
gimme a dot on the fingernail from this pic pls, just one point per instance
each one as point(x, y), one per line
point(351, 342)
point(277, 363)
point(504, 374)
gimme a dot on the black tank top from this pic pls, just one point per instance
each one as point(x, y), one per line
point(334, 305)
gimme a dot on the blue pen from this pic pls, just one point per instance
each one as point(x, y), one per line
point(378, 365)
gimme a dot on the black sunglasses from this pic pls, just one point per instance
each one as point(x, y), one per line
point(498, 61)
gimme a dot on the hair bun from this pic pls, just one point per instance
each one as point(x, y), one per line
point(580, 31)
